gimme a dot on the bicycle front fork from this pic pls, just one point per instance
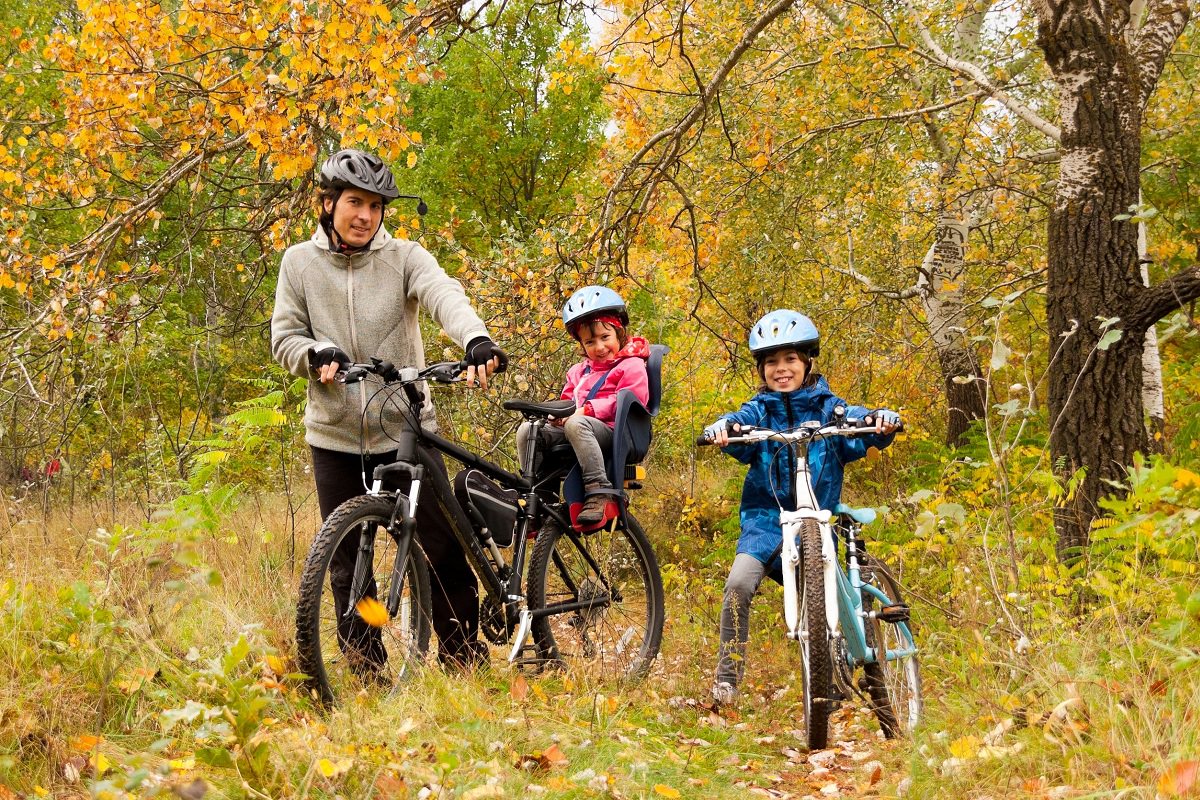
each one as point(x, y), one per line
point(792, 523)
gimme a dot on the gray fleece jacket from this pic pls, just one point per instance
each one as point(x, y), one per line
point(366, 304)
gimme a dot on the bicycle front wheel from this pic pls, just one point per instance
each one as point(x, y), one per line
point(363, 616)
point(893, 685)
point(598, 600)
point(815, 653)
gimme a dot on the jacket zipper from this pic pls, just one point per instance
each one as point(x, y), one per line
point(791, 456)
point(362, 396)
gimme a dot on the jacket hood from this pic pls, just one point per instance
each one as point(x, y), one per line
point(636, 347)
point(381, 238)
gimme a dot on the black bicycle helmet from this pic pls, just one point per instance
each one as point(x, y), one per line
point(359, 170)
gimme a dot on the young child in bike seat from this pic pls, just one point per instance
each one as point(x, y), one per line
point(596, 317)
point(785, 345)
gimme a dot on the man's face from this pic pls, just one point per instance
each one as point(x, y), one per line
point(356, 216)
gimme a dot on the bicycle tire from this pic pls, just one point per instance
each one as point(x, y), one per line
point(617, 641)
point(815, 651)
point(891, 689)
point(403, 639)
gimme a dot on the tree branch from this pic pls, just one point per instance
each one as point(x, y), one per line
point(674, 135)
point(1161, 299)
point(100, 238)
point(968, 70)
point(1165, 21)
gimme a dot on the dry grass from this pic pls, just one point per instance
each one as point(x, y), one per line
point(108, 629)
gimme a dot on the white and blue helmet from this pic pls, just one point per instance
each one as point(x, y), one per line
point(785, 328)
point(593, 301)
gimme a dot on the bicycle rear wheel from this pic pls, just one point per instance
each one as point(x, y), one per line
point(894, 686)
point(602, 599)
point(342, 657)
point(815, 652)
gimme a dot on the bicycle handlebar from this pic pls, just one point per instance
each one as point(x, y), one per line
point(750, 434)
point(441, 372)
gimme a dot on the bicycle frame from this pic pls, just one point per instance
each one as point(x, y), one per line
point(503, 583)
point(843, 592)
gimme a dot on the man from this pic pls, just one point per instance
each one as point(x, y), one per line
point(349, 293)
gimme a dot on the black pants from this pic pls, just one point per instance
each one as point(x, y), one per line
point(455, 590)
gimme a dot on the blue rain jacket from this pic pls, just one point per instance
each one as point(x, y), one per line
point(768, 485)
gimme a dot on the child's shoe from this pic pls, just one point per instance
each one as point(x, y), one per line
point(724, 693)
point(593, 509)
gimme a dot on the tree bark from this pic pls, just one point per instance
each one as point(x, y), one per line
point(942, 296)
point(1094, 279)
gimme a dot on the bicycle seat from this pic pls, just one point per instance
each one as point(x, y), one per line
point(546, 408)
point(863, 516)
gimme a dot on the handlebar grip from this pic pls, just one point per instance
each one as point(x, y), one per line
point(703, 441)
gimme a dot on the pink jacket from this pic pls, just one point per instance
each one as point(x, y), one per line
point(626, 371)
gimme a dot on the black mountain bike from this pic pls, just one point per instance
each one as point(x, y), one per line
point(592, 602)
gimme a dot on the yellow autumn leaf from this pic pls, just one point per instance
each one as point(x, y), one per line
point(331, 770)
point(84, 742)
point(760, 161)
point(965, 748)
point(666, 791)
point(1185, 478)
point(276, 664)
point(412, 159)
point(102, 765)
point(372, 612)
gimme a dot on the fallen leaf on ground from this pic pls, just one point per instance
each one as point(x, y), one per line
point(1180, 779)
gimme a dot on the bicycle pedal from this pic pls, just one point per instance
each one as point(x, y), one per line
point(893, 613)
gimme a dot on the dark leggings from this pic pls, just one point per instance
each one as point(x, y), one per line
point(339, 477)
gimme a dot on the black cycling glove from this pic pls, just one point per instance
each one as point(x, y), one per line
point(481, 350)
point(325, 354)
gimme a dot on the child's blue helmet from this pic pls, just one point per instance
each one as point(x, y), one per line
point(593, 301)
point(785, 328)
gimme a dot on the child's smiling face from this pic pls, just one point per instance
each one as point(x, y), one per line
point(600, 341)
point(784, 370)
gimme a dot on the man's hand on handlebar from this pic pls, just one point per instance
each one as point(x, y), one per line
point(326, 360)
point(484, 358)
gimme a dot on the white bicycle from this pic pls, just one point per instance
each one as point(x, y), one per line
point(843, 620)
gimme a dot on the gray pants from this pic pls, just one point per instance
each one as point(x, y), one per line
point(589, 438)
point(744, 577)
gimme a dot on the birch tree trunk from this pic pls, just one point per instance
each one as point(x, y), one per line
point(1152, 381)
point(942, 292)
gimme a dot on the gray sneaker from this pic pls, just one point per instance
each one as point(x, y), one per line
point(724, 693)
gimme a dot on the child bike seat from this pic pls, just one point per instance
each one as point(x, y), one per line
point(632, 434)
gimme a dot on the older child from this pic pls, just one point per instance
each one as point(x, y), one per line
point(785, 344)
point(595, 316)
